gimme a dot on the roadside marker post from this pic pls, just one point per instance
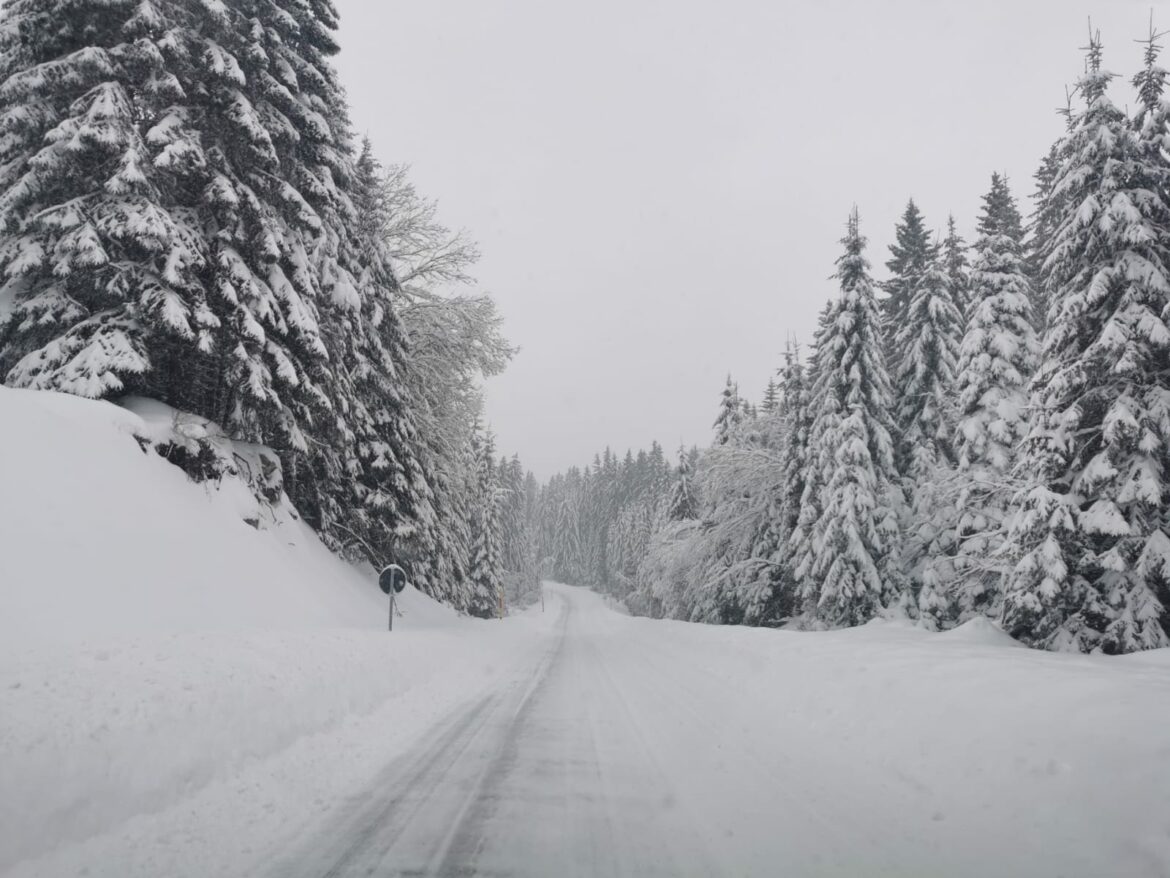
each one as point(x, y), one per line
point(392, 580)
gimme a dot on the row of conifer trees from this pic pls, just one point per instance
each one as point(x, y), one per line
point(185, 215)
point(984, 434)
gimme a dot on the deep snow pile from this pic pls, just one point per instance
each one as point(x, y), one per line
point(102, 538)
point(154, 644)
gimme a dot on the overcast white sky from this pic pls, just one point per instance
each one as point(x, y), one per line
point(658, 186)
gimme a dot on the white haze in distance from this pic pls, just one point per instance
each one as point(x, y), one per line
point(659, 187)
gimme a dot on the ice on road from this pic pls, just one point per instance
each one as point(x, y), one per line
point(634, 747)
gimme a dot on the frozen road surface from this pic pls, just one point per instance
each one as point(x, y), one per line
point(633, 747)
point(555, 773)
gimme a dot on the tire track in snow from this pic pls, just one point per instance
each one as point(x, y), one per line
point(412, 830)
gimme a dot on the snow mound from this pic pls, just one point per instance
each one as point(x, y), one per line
point(101, 536)
point(980, 631)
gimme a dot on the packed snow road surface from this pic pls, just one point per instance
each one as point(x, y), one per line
point(553, 774)
point(633, 747)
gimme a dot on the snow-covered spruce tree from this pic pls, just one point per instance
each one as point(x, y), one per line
point(565, 543)
point(100, 273)
point(177, 207)
point(1042, 221)
point(771, 395)
point(730, 413)
point(856, 538)
point(1049, 208)
point(928, 340)
point(818, 466)
point(683, 503)
point(1090, 542)
point(517, 555)
point(1152, 120)
point(996, 359)
point(796, 410)
point(928, 343)
point(485, 573)
point(954, 257)
point(912, 250)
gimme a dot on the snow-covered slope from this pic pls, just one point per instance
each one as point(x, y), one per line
point(98, 538)
point(152, 643)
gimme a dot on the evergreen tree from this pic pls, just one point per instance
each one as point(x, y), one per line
point(910, 254)
point(998, 355)
point(928, 339)
point(818, 463)
point(856, 536)
point(486, 569)
point(178, 207)
point(771, 393)
point(1152, 121)
point(928, 343)
point(957, 267)
point(730, 413)
point(798, 417)
point(1049, 207)
point(683, 504)
point(1091, 540)
point(517, 550)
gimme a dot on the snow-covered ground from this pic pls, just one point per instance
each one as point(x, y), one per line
point(223, 701)
point(156, 651)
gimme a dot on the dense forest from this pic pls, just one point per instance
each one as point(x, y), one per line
point(983, 433)
point(187, 215)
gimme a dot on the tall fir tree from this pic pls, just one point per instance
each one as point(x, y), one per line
point(730, 413)
point(1151, 123)
point(1090, 541)
point(683, 503)
point(928, 339)
point(486, 567)
point(1049, 207)
point(856, 538)
point(924, 417)
point(817, 466)
point(996, 360)
point(954, 258)
point(910, 254)
point(796, 410)
point(771, 395)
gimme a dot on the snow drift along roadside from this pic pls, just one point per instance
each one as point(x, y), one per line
point(153, 643)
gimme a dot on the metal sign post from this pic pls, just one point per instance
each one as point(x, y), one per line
point(392, 580)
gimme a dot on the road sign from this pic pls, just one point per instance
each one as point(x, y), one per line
point(392, 580)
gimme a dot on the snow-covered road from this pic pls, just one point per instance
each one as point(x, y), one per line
point(554, 773)
point(640, 748)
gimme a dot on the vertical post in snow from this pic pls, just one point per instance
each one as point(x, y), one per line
point(392, 580)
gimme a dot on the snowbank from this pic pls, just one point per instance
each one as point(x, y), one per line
point(154, 643)
point(100, 538)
